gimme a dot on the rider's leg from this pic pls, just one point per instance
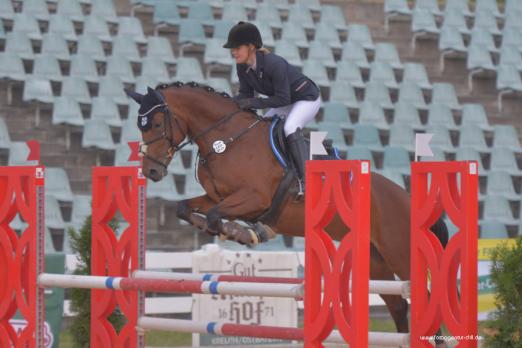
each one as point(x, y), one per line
point(302, 112)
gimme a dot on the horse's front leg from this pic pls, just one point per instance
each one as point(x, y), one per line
point(240, 205)
point(187, 208)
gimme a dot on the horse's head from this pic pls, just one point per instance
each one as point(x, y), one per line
point(161, 132)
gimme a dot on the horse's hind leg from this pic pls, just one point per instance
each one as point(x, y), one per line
point(397, 306)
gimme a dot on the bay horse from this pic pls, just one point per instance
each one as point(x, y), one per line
point(240, 176)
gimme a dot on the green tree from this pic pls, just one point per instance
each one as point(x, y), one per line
point(81, 298)
point(504, 327)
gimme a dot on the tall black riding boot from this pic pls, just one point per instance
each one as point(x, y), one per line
point(299, 152)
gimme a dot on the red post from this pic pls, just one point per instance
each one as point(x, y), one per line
point(338, 192)
point(21, 258)
point(123, 190)
point(451, 187)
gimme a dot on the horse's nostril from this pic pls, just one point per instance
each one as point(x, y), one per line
point(153, 173)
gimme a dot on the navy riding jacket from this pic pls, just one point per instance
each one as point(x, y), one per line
point(283, 83)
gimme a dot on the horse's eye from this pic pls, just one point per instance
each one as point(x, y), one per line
point(157, 125)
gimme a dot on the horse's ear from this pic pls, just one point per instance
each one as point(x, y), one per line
point(156, 94)
point(134, 95)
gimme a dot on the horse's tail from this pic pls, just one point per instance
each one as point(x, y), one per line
point(440, 230)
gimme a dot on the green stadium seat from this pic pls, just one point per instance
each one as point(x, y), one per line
point(319, 51)
point(360, 153)
point(508, 81)
point(97, 26)
point(469, 154)
point(342, 91)
point(5, 139)
point(402, 135)
point(55, 45)
point(372, 113)
point(81, 208)
point(105, 10)
point(131, 26)
point(492, 229)
point(299, 15)
point(27, 24)
point(96, 133)
point(266, 34)
point(221, 29)
point(444, 93)
point(512, 19)
point(37, 89)
point(387, 53)
point(124, 45)
point(75, 87)
point(53, 215)
point(336, 113)
point(105, 109)
point(176, 166)
point(360, 33)
point(233, 12)
point(316, 71)
point(18, 152)
point(6, 9)
point(120, 66)
point(355, 53)
point(295, 34)
point(500, 183)
point(441, 138)
point(450, 42)
point(129, 129)
point(396, 177)
point(378, 93)
point(325, 32)
point(431, 6)
point(416, 73)
point(57, 184)
point(19, 43)
point(200, 11)
point(397, 6)
point(216, 55)
point(189, 69)
point(458, 5)
point(290, 51)
point(66, 110)
point(397, 159)
point(220, 84)
point(335, 133)
point(36, 8)
point(268, 14)
point(164, 189)
point(121, 156)
point(192, 188)
point(423, 23)
point(160, 47)
point(497, 208)
point(482, 37)
point(332, 15)
point(441, 115)
point(11, 66)
point(349, 71)
point(411, 93)
point(512, 37)
point(71, 9)
point(475, 114)
point(382, 72)
point(472, 136)
point(486, 19)
point(154, 67)
point(407, 114)
point(165, 13)
point(366, 135)
point(503, 158)
point(46, 66)
point(510, 55)
point(490, 6)
point(91, 45)
point(506, 136)
point(456, 20)
point(191, 33)
point(83, 66)
point(111, 86)
point(512, 5)
point(63, 25)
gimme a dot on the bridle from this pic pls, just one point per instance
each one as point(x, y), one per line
point(167, 134)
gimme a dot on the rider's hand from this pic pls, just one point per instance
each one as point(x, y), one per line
point(245, 104)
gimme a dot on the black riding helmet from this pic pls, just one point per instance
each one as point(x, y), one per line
point(244, 33)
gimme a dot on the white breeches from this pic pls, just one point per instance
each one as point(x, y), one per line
point(296, 115)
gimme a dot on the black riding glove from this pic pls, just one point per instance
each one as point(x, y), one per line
point(245, 104)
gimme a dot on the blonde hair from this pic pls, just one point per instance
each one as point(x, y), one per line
point(263, 50)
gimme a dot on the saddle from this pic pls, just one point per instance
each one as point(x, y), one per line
point(288, 186)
